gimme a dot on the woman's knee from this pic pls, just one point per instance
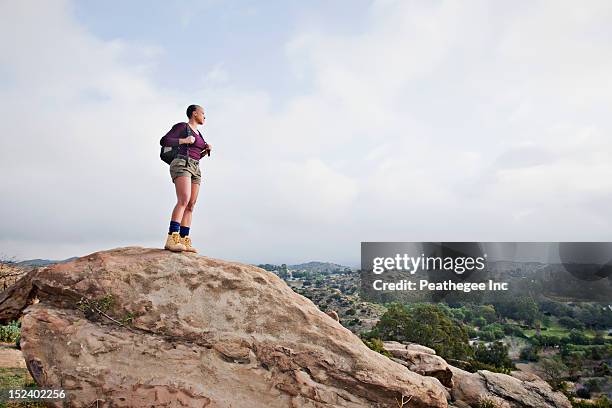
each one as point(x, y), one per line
point(182, 201)
point(190, 205)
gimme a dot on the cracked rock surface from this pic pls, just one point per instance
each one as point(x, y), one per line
point(506, 391)
point(135, 327)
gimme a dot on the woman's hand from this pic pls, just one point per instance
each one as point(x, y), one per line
point(187, 140)
point(207, 150)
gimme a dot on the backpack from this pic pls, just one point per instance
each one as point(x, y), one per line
point(167, 154)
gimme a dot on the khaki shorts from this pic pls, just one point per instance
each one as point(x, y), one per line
point(186, 167)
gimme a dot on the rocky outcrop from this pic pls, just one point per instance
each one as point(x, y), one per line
point(333, 314)
point(422, 360)
point(519, 390)
point(139, 327)
point(505, 390)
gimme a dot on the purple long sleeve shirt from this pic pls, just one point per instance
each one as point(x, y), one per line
point(179, 131)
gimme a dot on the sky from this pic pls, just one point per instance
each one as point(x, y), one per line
point(332, 123)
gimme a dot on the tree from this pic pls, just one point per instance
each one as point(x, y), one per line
point(488, 312)
point(571, 323)
point(424, 324)
point(479, 321)
point(530, 353)
point(458, 314)
point(577, 337)
point(527, 310)
point(552, 371)
point(523, 308)
point(547, 340)
point(495, 354)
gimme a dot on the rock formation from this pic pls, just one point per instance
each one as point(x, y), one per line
point(507, 391)
point(422, 360)
point(467, 389)
point(137, 327)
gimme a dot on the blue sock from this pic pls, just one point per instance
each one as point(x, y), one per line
point(174, 227)
point(184, 231)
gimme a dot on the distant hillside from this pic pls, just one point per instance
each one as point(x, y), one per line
point(319, 267)
point(313, 267)
point(42, 262)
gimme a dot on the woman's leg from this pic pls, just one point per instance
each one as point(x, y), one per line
point(183, 196)
point(187, 214)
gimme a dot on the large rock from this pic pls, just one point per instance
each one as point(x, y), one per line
point(422, 360)
point(505, 390)
point(146, 327)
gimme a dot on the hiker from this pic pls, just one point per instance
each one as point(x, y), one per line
point(186, 175)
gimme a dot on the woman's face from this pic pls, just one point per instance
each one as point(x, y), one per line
point(198, 114)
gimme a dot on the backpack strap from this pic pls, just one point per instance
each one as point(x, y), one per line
point(188, 132)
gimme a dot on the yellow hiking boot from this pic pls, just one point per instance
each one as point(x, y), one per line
point(173, 243)
point(187, 242)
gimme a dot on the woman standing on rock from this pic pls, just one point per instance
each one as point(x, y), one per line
point(186, 175)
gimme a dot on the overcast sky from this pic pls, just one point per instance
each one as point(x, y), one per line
point(332, 123)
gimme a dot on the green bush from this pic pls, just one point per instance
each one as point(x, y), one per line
point(377, 345)
point(530, 353)
point(571, 323)
point(425, 324)
point(486, 403)
point(546, 340)
point(494, 354)
point(492, 332)
point(10, 332)
point(513, 330)
point(474, 365)
point(479, 321)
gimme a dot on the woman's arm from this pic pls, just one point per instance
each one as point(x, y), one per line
point(173, 137)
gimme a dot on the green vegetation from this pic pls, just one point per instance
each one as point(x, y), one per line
point(376, 344)
point(486, 403)
point(90, 306)
point(93, 308)
point(17, 378)
point(530, 353)
point(426, 324)
point(10, 333)
point(494, 354)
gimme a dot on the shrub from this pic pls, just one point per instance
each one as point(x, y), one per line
point(492, 332)
point(486, 403)
point(530, 353)
point(513, 330)
point(495, 354)
point(424, 324)
point(576, 337)
point(571, 323)
point(583, 393)
point(10, 332)
point(376, 345)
